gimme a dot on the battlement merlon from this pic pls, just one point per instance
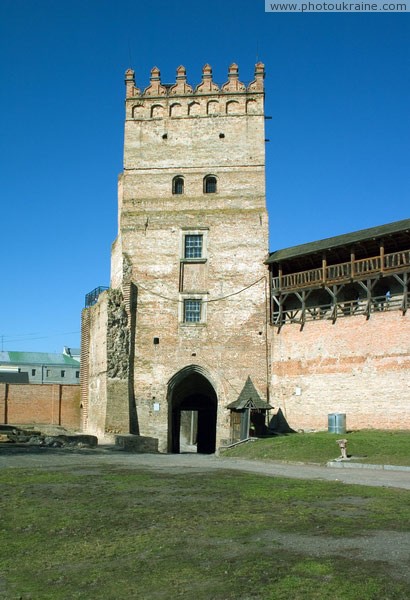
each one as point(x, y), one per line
point(207, 98)
point(181, 88)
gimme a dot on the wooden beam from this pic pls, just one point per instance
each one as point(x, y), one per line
point(352, 263)
point(280, 274)
point(405, 293)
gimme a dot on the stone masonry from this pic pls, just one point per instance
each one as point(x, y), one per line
point(194, 173)
point(186, 320)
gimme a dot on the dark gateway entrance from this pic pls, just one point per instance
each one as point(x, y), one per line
point(190, 392)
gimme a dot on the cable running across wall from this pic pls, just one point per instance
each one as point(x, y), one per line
point(177, 301)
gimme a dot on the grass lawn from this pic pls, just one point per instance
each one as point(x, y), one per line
point(109, 532)
point(367, 446)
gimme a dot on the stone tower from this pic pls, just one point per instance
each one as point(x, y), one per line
point(185, 321)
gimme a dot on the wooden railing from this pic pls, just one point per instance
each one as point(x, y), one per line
point(343, 272)
point(339, 309)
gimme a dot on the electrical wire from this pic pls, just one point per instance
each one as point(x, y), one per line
point(177, 301)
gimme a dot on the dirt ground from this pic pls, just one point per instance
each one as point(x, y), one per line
point(13, 455)
point(392, 547)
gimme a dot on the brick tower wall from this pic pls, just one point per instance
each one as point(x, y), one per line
point(173, 131)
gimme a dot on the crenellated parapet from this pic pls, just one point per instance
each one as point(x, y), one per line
point(180, 99)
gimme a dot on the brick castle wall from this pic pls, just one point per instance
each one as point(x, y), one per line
point(52, 404)
point(355, 366)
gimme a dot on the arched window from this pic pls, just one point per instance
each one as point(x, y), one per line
point(209, 184)
point(178, 185)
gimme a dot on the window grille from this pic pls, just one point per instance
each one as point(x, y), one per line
point(193, 246)
point(192, 311)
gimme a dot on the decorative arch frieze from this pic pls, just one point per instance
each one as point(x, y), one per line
point(194, 108)
point(233, 107)
point(213, 107)
point(138, 111)
point(251, 106)
point(157, 111)
point(175, 110)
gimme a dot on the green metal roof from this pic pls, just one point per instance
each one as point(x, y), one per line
point(249, 398)
point(339, 240)
point(36, 358)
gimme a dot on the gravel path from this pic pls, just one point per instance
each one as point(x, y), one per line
point(14, 456)
point(391, 548)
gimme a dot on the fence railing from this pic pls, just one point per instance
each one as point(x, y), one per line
point(92, 297)
point(340, 272)
point(339, 309)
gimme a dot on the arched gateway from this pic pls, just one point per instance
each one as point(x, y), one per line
point(190, 391)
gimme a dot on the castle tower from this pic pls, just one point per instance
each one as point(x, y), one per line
point(185, 320)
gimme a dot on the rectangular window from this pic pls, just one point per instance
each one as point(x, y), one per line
point(193, 246)
point(77, 374)
point(62, 373)
point(192, 311)
point(33, 372)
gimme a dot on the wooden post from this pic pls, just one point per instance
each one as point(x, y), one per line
point(324, 268)
point(6, 403)
point(405, 293)
point(352, 263)
point(382, 255)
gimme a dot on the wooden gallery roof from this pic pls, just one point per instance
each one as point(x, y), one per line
point(366, 242)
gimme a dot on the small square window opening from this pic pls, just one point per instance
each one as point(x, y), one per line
point(193, 246)
point(192, 311)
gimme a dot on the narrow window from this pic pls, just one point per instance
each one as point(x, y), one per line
point(193, 246)
point(62, 373)
point(33, 372)
point(178, 185)
point(210, 184)
point(77, 374)
point(192, 311)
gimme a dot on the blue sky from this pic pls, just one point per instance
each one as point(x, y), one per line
point(337, 89)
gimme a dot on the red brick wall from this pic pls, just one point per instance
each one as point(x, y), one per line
point(52, 404)
point(355, 366)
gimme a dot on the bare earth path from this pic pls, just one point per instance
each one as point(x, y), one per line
point(13, 456)
point(389, 547)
